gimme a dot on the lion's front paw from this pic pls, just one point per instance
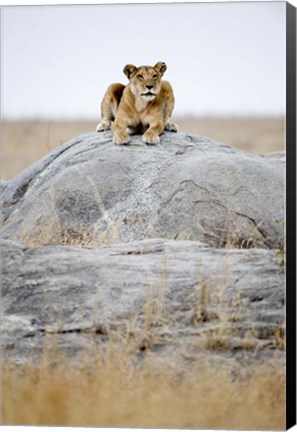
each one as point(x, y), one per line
point(151, 138)
point(120, 137)
point(104, 125)
point(171, 127)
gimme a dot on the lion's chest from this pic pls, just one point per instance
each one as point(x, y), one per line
point(143, 119)
point(139, 119)
point(140, 123)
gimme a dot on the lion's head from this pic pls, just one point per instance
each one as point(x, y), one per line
point(145, 81)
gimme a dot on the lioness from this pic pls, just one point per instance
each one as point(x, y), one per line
point(144, 105)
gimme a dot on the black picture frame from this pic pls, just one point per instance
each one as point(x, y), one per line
point(291, 215)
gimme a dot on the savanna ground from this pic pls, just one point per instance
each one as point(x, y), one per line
point(115, 389)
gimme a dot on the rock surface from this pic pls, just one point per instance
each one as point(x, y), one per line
point(179, 298)
point(186, 188)
point(155, 265)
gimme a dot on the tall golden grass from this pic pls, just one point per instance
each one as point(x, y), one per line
point(116, 390)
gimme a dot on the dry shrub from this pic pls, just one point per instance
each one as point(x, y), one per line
point(119, 391)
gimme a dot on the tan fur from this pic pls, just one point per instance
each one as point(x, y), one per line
point(143, 106)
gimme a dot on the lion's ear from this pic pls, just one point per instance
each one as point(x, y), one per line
point(160, 67)
point(129, 69)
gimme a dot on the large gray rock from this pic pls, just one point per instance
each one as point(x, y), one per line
point(187, 188)
point(179, 298)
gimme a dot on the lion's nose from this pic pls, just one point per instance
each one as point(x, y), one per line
point(149, 87)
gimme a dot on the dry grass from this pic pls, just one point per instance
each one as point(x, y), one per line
point(25, 142)
point(116, 392)
point(256, 135)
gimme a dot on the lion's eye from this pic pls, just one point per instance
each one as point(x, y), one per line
point(155, 76)
point(140, 77)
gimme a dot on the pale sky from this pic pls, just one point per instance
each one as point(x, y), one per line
point(222, 58)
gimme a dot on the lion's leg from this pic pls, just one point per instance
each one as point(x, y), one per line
point(109, 106)
point(119, 132)
point(106, 114)
point(151, 136)
point(169, 126)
